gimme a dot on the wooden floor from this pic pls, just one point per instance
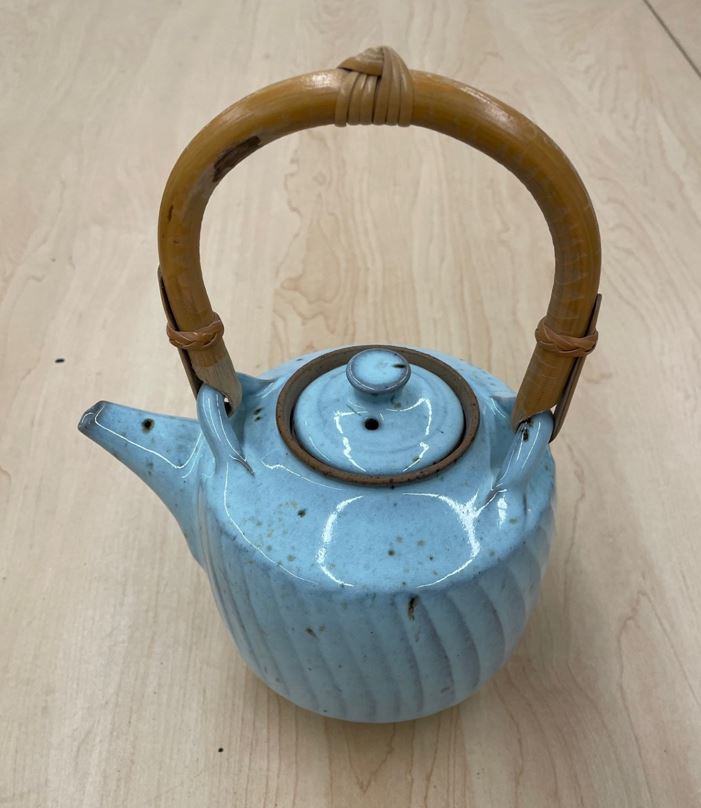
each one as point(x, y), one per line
point(118, 683)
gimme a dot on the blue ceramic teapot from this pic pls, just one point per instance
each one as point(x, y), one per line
point(374, 520)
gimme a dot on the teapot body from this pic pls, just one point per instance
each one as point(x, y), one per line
point(372, 603)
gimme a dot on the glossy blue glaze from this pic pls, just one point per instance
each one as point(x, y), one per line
point(164, 451)
point(378, 372)
point(363, 603)
point(378, 415)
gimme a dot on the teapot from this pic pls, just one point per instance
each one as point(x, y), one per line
point(374, 520)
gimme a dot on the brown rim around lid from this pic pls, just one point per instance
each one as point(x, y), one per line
point(333, 359)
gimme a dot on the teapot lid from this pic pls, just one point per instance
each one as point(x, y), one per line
point(380, 415)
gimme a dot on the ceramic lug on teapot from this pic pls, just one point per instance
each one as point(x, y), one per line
point(374, 520)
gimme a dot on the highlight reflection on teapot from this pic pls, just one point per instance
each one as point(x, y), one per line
point(374, 520)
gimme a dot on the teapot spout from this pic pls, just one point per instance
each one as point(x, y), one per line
point(161, 449)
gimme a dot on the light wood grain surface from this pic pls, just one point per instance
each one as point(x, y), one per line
point(119, 685)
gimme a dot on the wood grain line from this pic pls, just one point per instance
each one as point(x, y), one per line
point(674, 39)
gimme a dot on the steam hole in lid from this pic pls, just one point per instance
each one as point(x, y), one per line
point(371, 424)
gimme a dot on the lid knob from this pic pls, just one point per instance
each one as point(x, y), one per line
point(378, 371)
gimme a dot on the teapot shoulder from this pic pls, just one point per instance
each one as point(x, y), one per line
point(427, 533)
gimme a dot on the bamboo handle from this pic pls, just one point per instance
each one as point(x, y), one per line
point(376, 87)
